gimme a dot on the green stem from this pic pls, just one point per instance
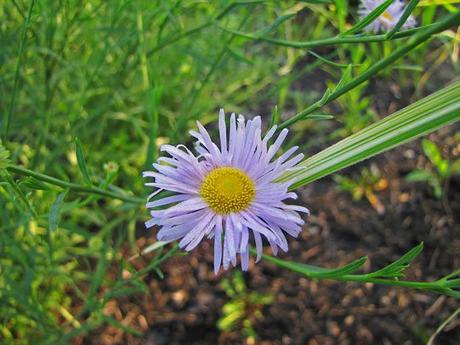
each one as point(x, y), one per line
point(411, 44)
point(73, 186)
point(331, 41)
point(9, 114)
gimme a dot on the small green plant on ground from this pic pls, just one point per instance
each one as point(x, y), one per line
point(438, 174)
point(243, 308)
point(366, 184)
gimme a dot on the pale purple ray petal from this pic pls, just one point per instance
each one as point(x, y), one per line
point(226, 256)
point(276, 145)
point(259, 245)
point(222, 132)
point(244, 260)
point(167, 200)
point(184, 218)
point(218, 244)
point(197, 232)
point(189, 205)
point(150, 223)
point(230, 239)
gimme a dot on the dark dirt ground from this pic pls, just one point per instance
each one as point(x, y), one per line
point(184, 307)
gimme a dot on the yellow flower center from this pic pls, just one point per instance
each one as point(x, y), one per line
point(387, 16)
point(227, 190)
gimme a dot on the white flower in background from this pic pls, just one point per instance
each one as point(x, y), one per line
point(228, 193)
point(388, 19)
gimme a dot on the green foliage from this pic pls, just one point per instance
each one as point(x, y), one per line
point(443, 169)
point(4, 157)
point(243, 307)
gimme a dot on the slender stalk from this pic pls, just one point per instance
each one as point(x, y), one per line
point(73, 186)
point(331, 41)
point(407, 12)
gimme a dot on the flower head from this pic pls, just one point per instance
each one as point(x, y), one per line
point(227, 193)
point(388, 19)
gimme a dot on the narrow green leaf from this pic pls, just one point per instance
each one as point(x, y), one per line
point(319, 117)
point(407, 12)
point(8, 114)
point(419, 176)
point(81, 161)
point(276, 116)
point(277, 22)
point(345, 78)
point(54, 216)
point(421, 117)
point(33, 183)
point(396, 268)
point(315, 271)
point(432, 151)
point(376, 12)
point(330, 62)
point(154, 246)
point(4, 157)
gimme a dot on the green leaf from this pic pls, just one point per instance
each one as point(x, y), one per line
point(376, 12)
point(277, 22)
point(319, 117)
point(345, 78)
point(396, 268)
point(403, 18)
point(424, 116)
point(434, 154)
point(431, 151)
point(276, 116)
point(420, 176)
point(154, 246)
point(33, 183)
point(54, 216)
point(315, 271)
point(4, 157)
point(81, 162)
point(329, 62)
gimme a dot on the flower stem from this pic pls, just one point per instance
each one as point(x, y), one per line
point(73, 186)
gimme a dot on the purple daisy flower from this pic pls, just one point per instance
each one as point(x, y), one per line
point(228, 193)
point(388, 19)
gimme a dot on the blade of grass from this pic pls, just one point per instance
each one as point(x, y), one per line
point(407, 12)
point(374, 14)
point(9, 113)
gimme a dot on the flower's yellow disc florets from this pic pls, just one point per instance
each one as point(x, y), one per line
point(227, 190)
point(387, 15)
